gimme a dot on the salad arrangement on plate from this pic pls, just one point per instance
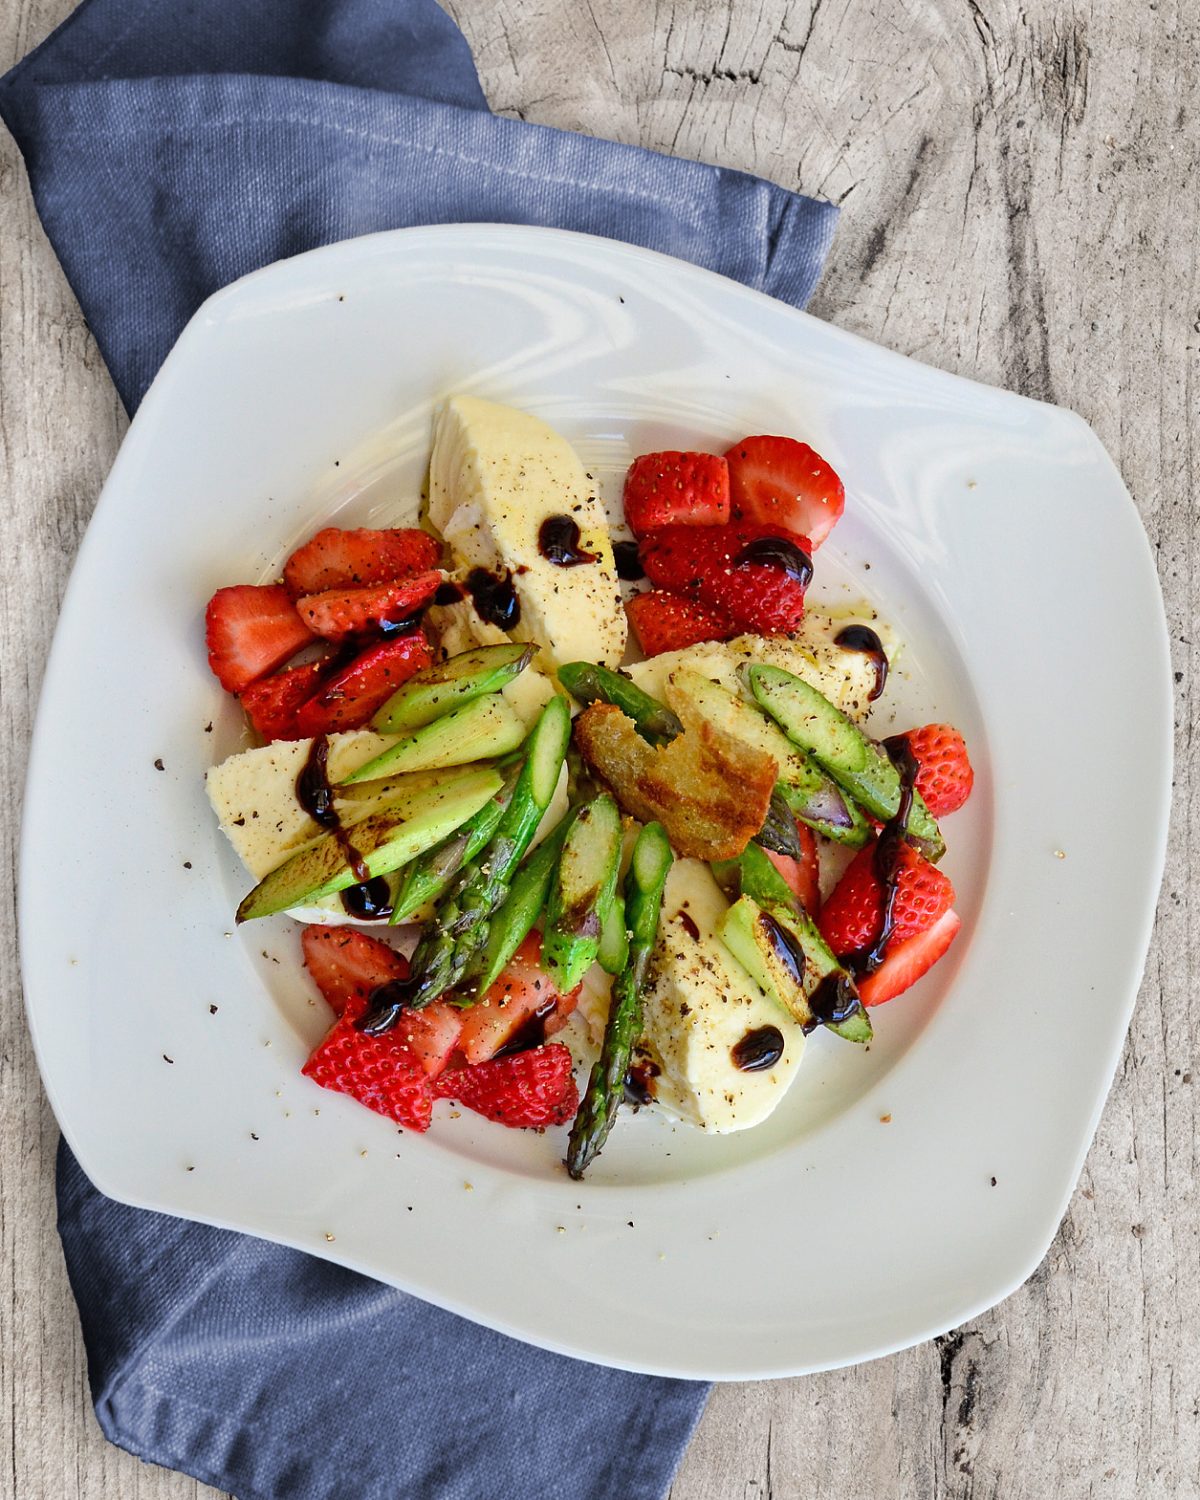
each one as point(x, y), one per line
point(658, 866)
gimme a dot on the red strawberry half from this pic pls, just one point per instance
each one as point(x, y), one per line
point(685, 489)
point(338, 613)
point(754, 575)
point(348, 699)
point(945, 776)
point(273, 702)
point(776, 481)
point(523, 995)
point(527, 1090)
point(851, 918)
point(347, 965)
point(379, 1071)
point(803, 875)
point(356, 559)
point(251, 630)
point(663, 621)
point(905, 962)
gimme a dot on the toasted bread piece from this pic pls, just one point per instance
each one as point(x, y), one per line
point(708, 790)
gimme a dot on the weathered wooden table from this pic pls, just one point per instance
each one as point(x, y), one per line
point(1021, 203)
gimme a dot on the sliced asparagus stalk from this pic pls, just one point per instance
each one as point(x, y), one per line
point(613, 952)
point(485, 727)
point(430, 874)
point(591, 684)
point(840, 747)
point(584, 886)
point(816, 799)
point(778, 944)
point(524, 904)
point(376, 845)
point(450, 684)
point(459, 926)
point(606, 1086)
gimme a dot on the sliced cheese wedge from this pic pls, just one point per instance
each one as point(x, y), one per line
point(495, 476)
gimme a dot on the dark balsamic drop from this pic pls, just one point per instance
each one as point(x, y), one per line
point(833, 1000)
point(863, 638)
point(532, 1031)
point(558, 542)
point(639, 1081)
point(758, 1050)
point(448, 592)
point(494, 598)
point(370, 902)
point(385, 1005)
point(777, 552)
point(629, 563)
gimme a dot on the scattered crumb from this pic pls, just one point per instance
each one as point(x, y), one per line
point(212, 1010)
point(1060, 854)
point(167, 1059)
point(187, 864)
point(885, 1119)
point(189, 1169)
point(362, 1153)
point(330, 1237)
point(630, 1222)
point(208, 727)
point(972, 484)
point(661, 1255)
point(993, 1182)
point(468, 1187)
point(560, 1229)
point(158, 765)
point(253, 1137)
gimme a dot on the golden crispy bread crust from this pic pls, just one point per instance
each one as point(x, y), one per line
point(709, 791)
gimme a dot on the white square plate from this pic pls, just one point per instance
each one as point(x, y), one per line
point(1002, 546)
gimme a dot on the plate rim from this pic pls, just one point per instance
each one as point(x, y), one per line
point(620, 252)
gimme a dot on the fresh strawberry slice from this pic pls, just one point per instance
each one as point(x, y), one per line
point(527, 1090)
point(523, 995)
point(663, 621)
point(273, 702)
point(803, 875)
point(250, 630)
point(338, 613)
point(851, 918)
point(754, 575)
point(944, 776)
point(776, 481)
point(379, 1071)
point(337, 559)
point(905, 962)
point(347, 966)
point(348, 699)
point(684, 489)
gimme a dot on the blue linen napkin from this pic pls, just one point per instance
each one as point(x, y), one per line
point(171, 148)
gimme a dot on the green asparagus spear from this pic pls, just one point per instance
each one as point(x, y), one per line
point(613, 952)
point(458, 928)
point(430, 874)
point(584, 886)
point(644, 883)
point(523, 905)
point(787, 956)
point(590, 684)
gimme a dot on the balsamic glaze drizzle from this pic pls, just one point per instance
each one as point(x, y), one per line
point(887, 858)
point(629, 563)
point(863, 638)
point(495, 598)
point(758, 1050)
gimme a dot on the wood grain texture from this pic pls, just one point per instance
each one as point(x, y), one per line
point(1021, 205)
